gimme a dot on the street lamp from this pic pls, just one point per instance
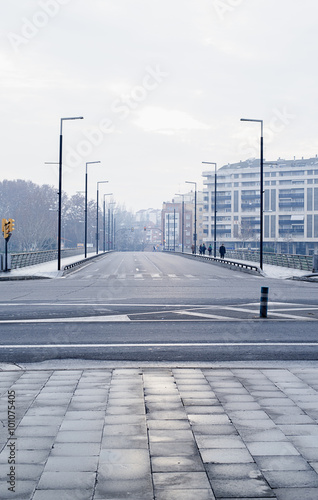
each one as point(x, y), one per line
point(104, 222)
point(215, 178)
point(195, 215)
point(182, 218)
point(111, 232)
point(99, 182)
point(261, 191)
point(85, 209)
point(59, 227)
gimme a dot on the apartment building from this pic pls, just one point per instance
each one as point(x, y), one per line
point(290, 208)
point(174, 219)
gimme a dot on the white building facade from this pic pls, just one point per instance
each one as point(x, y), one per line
point(290, 205)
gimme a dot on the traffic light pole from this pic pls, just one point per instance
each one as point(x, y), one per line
point(7, 228)
point(6, 255)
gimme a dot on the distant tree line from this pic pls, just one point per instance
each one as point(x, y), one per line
point(35, 210)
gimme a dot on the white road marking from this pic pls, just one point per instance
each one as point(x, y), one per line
point(188, 344)
point(84, 319)
point(204, 315)
point(271, 312)
point(195, 313)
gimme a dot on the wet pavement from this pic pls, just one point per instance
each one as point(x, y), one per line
point(94, 431)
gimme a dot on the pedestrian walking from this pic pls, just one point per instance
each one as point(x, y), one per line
point(210, 249)
point(203, 248)
point(222, 251)
point(200, 249)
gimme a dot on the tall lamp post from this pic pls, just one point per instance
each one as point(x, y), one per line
point(261, 190)
point(111, 226)
point(215, 179)
point(182, 221)
point(104, 222)
point(85, 210)
point(195, 216)
point(59, 225)
point(99, 182)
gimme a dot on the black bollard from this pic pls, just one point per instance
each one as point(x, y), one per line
point(264, 302)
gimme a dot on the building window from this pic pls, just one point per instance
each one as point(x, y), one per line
point(266, 226)
point(309, 198)
point(309, 226)
point(273, 226)
point(316, 226)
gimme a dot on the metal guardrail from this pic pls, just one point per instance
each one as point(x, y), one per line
point(69, 267)
point(241, 266)
point(293, 261)
point(302, 262)
point(19, 260)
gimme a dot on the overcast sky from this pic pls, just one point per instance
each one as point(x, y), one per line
point(161, 84)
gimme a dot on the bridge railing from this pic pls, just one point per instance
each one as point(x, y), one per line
point(32, 258)
point(294, 261)
point(240, 266)
point(302, 262)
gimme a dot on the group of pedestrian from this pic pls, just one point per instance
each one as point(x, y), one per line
point(202, 250)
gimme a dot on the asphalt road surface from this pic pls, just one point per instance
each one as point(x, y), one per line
point(157, 307)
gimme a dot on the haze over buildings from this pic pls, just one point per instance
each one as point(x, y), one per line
point(161, 85)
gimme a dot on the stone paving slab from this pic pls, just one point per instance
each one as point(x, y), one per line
point(159, 433)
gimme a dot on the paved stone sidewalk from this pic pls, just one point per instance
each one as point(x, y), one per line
point(159, 433)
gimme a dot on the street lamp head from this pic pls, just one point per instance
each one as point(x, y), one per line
point(254, 120)
point(70, 118)
point(191, 182)
point(73, 118)
point(251, 120)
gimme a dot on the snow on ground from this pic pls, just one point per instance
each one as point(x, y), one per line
point(278, 272)
point(46, 269)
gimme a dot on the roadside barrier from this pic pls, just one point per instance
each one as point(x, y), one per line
point(295, 261)
point(32, 258)
point(239, 266)
point(70, 267)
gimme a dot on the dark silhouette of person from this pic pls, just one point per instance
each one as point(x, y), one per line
point(222, 251)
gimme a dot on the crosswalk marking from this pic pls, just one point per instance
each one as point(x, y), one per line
point(140, 276)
